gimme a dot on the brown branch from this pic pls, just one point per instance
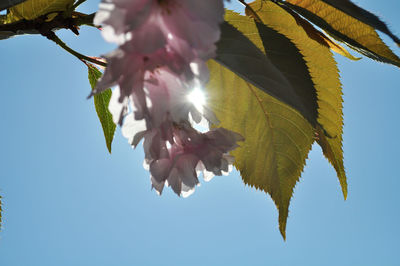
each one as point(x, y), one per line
point(47, 28)
point(41, 26)
point(52, 36)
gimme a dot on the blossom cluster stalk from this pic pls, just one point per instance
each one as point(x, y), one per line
point(163, 46)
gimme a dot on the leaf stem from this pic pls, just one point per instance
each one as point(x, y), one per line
point(52, 36)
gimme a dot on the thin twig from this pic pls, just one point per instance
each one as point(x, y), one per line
point(47, 28)
point(52, 36)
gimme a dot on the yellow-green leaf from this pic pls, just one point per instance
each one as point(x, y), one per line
point(32, 9)
point(363, 15)
point(332, 149)
point(9, 3)
point(356, 34)
point(283, 54)
point(324, 73)
point(319, 36)
point(291, 49)
point(101, 101)
point(240, 55)
point(286, 57)
point(277, 137)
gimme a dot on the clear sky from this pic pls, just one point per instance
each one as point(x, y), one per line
point(68, 202)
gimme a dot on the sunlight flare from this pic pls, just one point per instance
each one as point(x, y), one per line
point(197, 98)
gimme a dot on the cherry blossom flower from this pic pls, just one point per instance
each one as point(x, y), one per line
point(207, 152)
point(163, 47)
point(150, 24)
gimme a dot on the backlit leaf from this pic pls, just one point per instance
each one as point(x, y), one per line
point(284, 56)
point(101, 101)
point(332, 149)
point(277, 137)
point(358, 35)
point(240, 55)
point(325, 76)
point(32, 9)
point(319, 36)
point(4, 4)
point(363, 15)
point(289, 47)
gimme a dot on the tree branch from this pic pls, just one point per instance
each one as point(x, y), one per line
point(47, 28)
point(52, 36)
point(40, 25)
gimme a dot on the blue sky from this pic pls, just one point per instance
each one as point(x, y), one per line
point(68, 202)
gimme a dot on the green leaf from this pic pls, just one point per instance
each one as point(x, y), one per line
point(32, 9)
point(332, 149)
point(279, 172)
point(9, 3)
point(277, 141)
point(236, 52)
point(101, 101)
point(363, 15)
point(319, 36)
point(356, 34)
point(325, 76)
point(277, 137)
point(284, 55)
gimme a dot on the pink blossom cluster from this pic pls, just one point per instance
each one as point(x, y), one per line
point(163, 47)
